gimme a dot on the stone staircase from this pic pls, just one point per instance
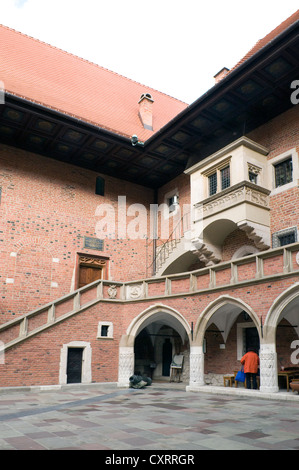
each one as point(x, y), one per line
point(38, 320)
point(175, 240)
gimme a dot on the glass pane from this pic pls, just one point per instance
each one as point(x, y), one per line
point(283, 173)
point(225, 178)
point(213, 184)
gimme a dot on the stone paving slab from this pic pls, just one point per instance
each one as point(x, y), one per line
point(162, 417)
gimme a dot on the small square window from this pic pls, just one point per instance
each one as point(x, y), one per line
point(287, 239)
point(284, 237)
point(252, 177)
point(283, 172)
point(105, 330)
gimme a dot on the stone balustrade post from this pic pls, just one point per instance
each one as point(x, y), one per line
point(268, 368)
point(126, 365)
point(196, 368)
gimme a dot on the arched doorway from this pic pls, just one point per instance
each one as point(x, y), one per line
point(150, 343)
point(281, 337)
point(226, 329)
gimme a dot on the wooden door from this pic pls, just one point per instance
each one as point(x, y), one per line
point(90, 269)
point(88, 274)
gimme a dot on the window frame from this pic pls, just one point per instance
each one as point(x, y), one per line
point(109, 326)
point(284, 172)
point(291, 153)
point(218, 171)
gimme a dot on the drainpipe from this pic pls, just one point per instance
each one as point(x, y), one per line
point(155, 225)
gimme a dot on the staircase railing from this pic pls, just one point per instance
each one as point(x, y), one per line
point(164, 251)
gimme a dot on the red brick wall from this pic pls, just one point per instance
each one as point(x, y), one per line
point(278, 136)
point(233, 241)
point(36, 360)
point(46, 209)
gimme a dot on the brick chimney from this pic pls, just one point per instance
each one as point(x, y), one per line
point(221, 74)
point(146, 111)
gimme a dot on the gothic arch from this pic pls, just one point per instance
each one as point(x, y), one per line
point(155, 313)
point(282, 304)
point(223, 303)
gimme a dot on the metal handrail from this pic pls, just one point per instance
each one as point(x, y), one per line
point(167, 247)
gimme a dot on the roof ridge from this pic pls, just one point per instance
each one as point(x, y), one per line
point(262, 42)
point(88, 61)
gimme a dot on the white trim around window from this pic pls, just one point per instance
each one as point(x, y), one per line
point(280, 158)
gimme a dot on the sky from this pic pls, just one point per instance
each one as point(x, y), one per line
point(173, 46)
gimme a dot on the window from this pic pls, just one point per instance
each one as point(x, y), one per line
point(253, 173)
point(283, 172)
point(225, 178)
point(284, 237)
point(105, 330)
point(212, 184)
point(252, 177)
point(218, 177)
point(287, 239)
point(100, 186)
point(172, 203)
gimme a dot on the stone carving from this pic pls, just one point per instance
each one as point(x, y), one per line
point(92, 261)
point(126, 365)
point(268, 371)
point(196, 368)
point(244, 193)
point(112, 292)
point(135, 291)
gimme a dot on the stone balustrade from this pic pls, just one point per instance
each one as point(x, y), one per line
point(272, 264)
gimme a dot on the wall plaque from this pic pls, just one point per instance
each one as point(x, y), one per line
point(93, 243)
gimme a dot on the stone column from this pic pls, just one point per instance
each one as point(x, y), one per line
point(196, 368)
point(268, 368)
point(126, 366)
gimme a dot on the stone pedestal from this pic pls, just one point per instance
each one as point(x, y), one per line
point(126, 366)
point(196, 368)
point(268, 368)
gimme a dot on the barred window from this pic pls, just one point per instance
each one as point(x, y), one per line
point(287, 239)
point(284, 237)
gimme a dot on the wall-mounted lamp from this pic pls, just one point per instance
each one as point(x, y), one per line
point(135, 141)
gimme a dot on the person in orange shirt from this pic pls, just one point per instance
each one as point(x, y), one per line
point(251, 362)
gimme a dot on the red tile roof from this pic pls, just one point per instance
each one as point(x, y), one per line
point(49, 76)
point(46, 75)
point(269, 37)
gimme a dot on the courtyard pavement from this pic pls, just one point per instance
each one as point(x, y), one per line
point(161, 417)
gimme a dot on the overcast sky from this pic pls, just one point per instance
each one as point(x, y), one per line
point(174, 46)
